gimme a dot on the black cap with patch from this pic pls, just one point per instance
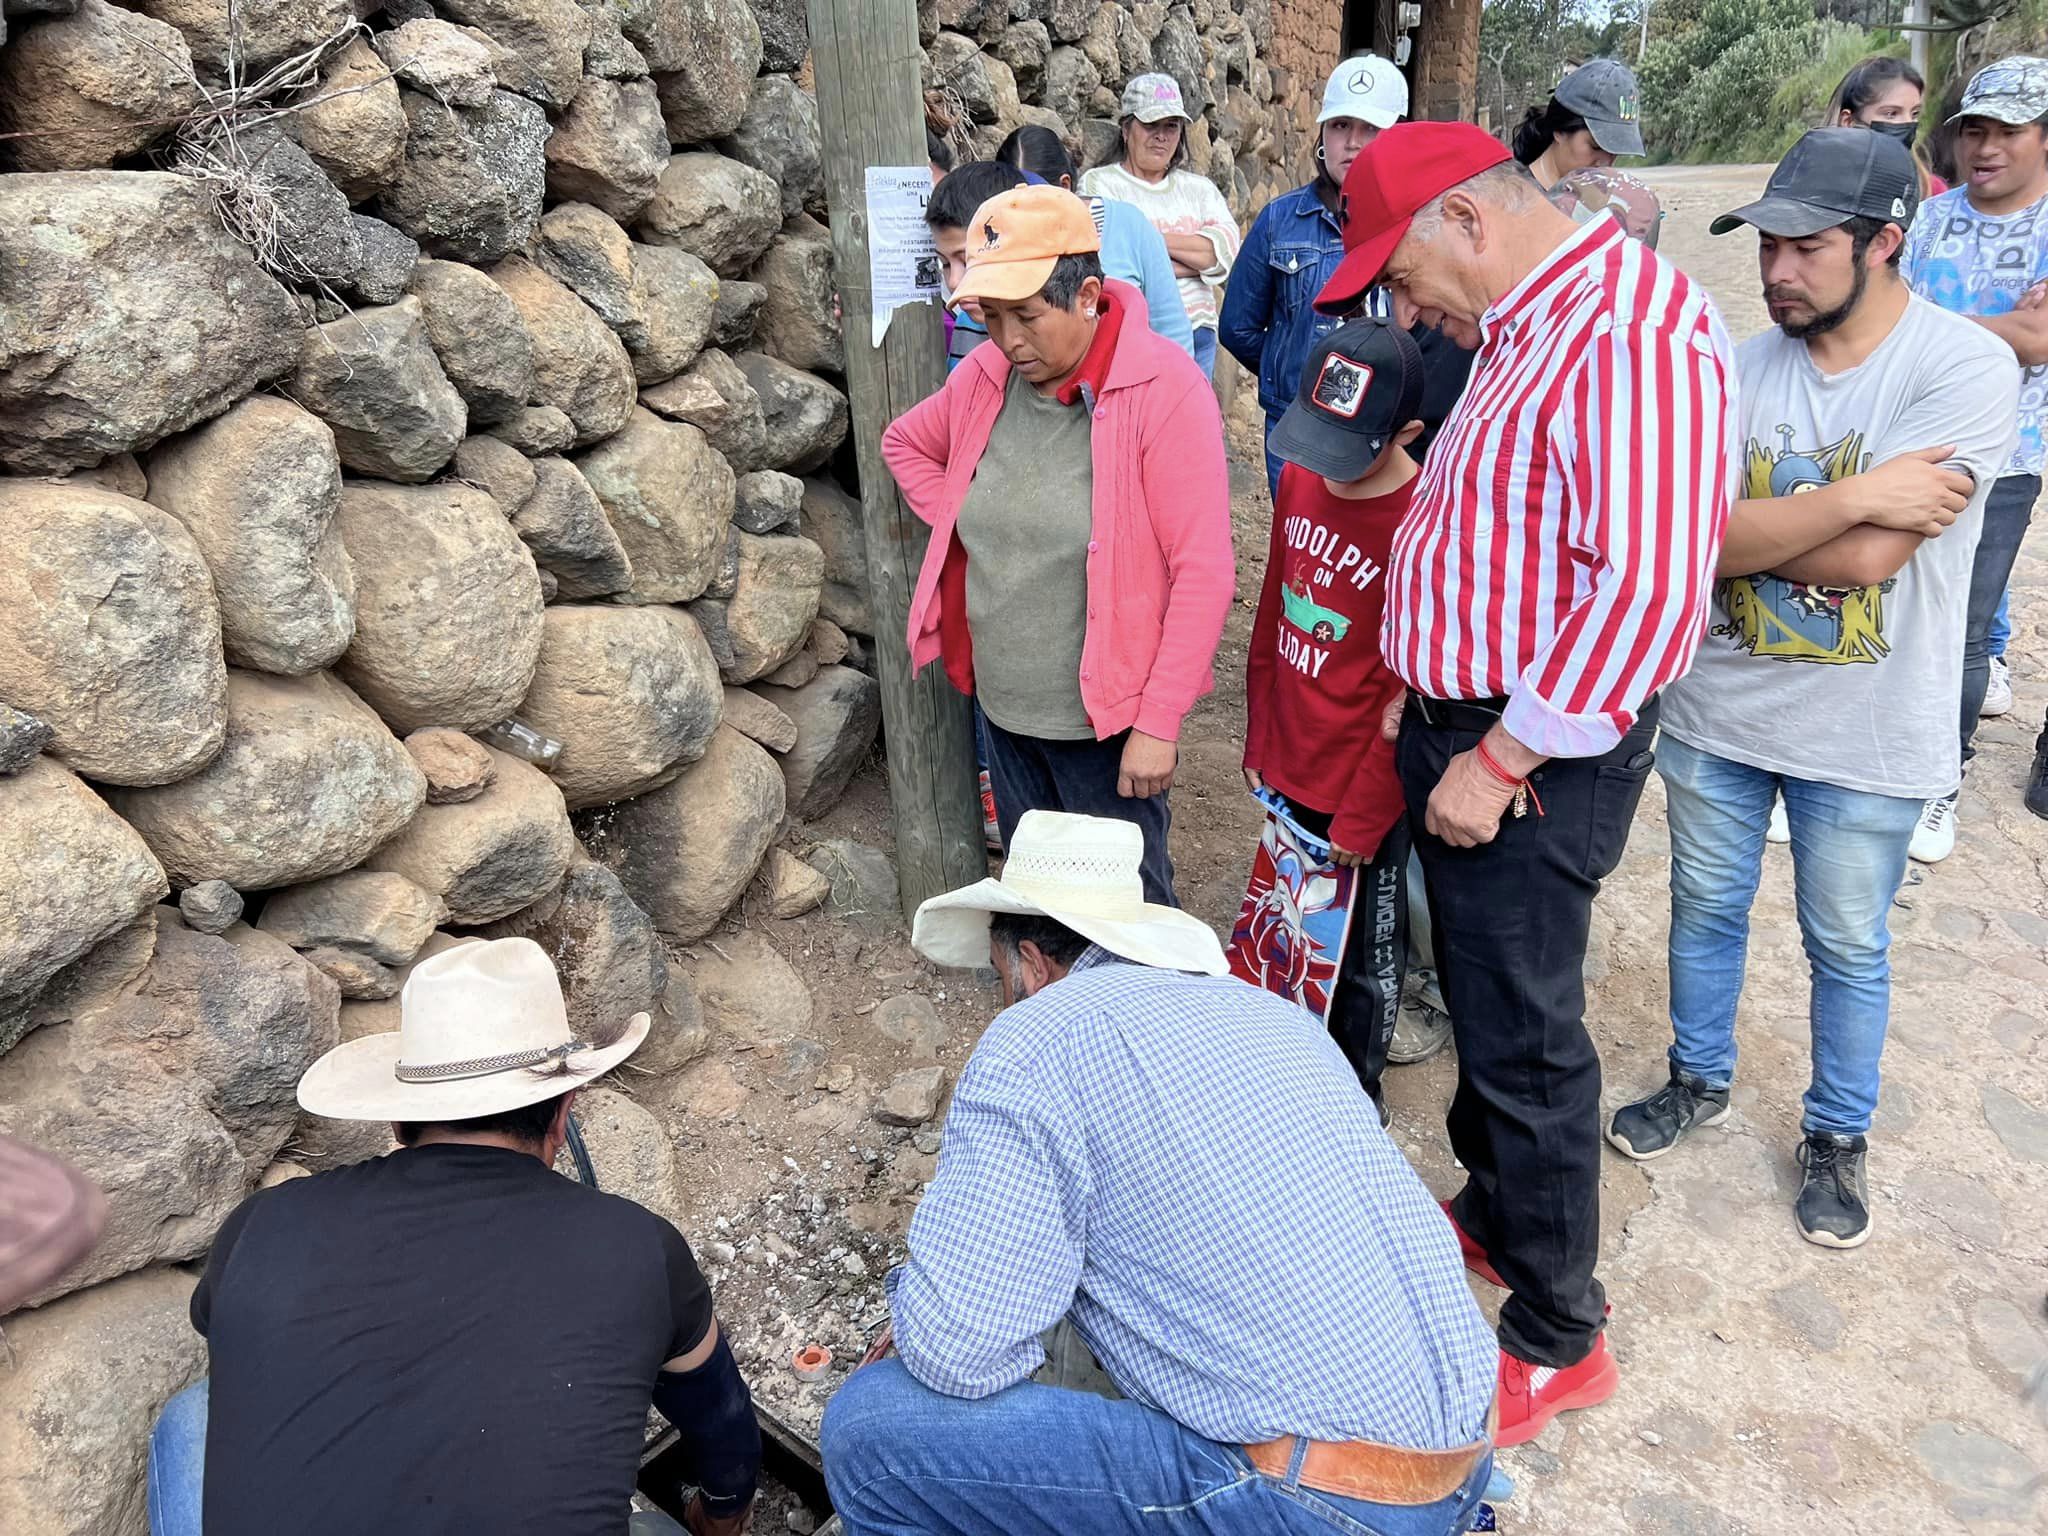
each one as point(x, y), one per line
point(1833, 175)
point(1363, 384)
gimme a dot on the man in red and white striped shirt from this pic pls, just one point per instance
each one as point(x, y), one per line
point(1551, 576)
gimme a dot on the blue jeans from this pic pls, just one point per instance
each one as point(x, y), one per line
point(1848, 857)
point(1999, 636)
point(1274, 464)
point(903, 1460)
point(177, 1463)
point(2007, 511)
point(1205, 348)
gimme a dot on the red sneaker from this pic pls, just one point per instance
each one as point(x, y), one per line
point(1475, 1256)
point(1530, 1396)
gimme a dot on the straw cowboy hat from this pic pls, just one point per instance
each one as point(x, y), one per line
point(482, 1029)
point(1081, 871)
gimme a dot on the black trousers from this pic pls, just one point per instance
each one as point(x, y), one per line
point(1374, 964)
point(1511, 919)
point(1030, 773)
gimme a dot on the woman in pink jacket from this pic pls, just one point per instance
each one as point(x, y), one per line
point(1080, 568)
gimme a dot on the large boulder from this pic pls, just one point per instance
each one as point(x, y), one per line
point(713, 395)
point(833, 521)
point(437, 58)
point(470, 181)
point(131, 314)
point(688, 850)
point(800, 321)
point(579, 366)
point(76, 875)
point(657, 299)
point(309, 781)
point(722, 212)
point(91, 88)
point(109, 631)
point(838, 714)
point(372, 376)
point(565, 526)
point(806, 418)
point(487, 857)
point(448, 605)
point(632, 694)
point(604, 947)
point(543, 38)
point(257, 489)
point(775, 598)
point(609, 148)
point(479, 337)
point(353, 125)
point(630, 1152)
point(681, 306)
point(262, 33)
point(669, 497)
point(704, 54)
point(369, 912)
point(779, 135)
point(86, 1380)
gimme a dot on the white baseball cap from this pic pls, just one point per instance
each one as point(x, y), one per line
point(1369, 88)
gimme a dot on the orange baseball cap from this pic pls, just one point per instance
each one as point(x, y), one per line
point(1018, 236)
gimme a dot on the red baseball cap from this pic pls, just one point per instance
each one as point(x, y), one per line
point(1400, 170)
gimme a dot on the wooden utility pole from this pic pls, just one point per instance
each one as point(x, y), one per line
point(871, 111)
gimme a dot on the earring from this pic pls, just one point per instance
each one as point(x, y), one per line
point(1319, 152)
point(1088, 314)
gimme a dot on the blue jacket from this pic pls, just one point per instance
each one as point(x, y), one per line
point(1136, 252)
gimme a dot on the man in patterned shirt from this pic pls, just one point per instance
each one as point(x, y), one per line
point(1185, 1169)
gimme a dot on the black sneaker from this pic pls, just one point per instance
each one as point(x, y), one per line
point(1651, 1127)
point(1834, 1205)
point(2037, 783)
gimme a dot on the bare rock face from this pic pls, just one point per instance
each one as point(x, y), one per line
point(470, 181)
point(681, 308)
point(22, 736)
point(257, 489)
point(374, 913)
point(832, 520)
point(722, 212)
point(131, 315)
point(604, 947)
point(90, 1375)
point(779, 135)
point(448, 605)
point(800, 321)
point(609, 148)
point(109, 632)
point(704, 54)
point(838, 714)
point(271, 30)
point(659, 301)
point(487, 857)
point(354, 125)
point(544, 39)
point(713, 395)
point(77, 874)
point(102, 975)
point(372, 376)
point(579, 366)
point(956, 64)
point(806, 418)
point(479, 337)
point(457, 767)
point(688, 850)
point(310, 781)
point(669, 497)
point(768, 617)
point(564, 524)
point(316, 236)
point(92, 87)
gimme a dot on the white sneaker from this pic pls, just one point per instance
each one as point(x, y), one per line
point(1998, 692)
point(1935, 838)
point(1780, 830)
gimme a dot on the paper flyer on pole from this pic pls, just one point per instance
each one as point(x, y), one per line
point(903, 264)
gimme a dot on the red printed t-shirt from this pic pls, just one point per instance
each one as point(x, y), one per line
point(1316, 684)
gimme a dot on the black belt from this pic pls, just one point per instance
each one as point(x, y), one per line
point(1458, 714)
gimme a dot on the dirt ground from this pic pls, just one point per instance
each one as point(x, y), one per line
point(1768, 1386)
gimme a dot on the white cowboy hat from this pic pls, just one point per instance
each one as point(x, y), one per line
point(482, 1029)
point(1078, 870)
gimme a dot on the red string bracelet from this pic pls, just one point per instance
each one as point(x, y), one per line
point(1494, 766)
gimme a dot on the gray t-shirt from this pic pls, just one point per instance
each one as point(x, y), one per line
point(1853, 686)
point(1026, 523)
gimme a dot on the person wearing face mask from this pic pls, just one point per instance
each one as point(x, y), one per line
point(1884, 95)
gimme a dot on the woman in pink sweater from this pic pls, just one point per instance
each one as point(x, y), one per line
point(1080, 568)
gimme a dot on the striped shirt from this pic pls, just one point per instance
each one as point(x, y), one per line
point(1561, 545)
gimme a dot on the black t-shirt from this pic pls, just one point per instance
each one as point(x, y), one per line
point(447, 1339)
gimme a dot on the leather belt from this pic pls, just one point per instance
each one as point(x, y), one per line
point(1458, 714)
point(1363, 1469)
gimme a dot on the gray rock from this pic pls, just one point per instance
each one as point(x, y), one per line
point(632, 694)
point(657, 299)
point(630, 1152)
point(109, 631)
point(1070, 83)
point(1177, 51)
point(470, 181)
point(360, 978)
point(681, 308)
point(806, 418)
point(779, 135)
point(104, 974)
point(838, 715)
point(1025, 46)
point(739, 307)
point(487, 857)
point(457, 767)
point(1068, 19)
point(713, 395)
point(388, 258)
point(465, 658)
point(955, 63)
point(721, 211)
point(315, 238)
point(608, 55)
point(543, 38)
point(679, 1035)
point(92, 87)
point(22, 736)
point(437, 58)
point(864, 887)
point(749, 992)
point(353, 124)
point(788, 887)
point(211, 906)
point(579, 366)
point(753, 716)
point(609, 148)
point(775, 598)
point(257, 489)
point(564, 524)
point(785, 34)
point(2019, 1125)
point(669, 497)
point(131, 315)
point(499, 468)
point(704, 54)
point(537, 429)
point(1809, 1313)
point(912, 1097)
point(832, 520)
point(381, 915)
point(310, 781)
point(271, 31)
point(913, 1022)
point(605, 950)
point(799, 323)
point(373, 377)
point(479, 337)
point(1987, 1479)
point(768, 501)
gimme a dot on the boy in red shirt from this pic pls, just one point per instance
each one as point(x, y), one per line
point(1316, 684)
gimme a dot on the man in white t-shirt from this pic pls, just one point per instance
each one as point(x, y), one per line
point(1875, 425)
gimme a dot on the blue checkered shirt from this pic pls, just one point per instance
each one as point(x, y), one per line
point(1187, 1167)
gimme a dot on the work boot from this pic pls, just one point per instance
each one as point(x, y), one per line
point(1422, 1028)
point(1530, 1395)
point(1834, 1201)
point(1651, 1127)
point(2037, 783)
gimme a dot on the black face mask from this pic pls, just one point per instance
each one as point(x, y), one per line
point(1905, 132)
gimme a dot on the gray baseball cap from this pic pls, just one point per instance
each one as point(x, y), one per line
point(2013, 90)
point(1153, 99)
point(1832, 175)
point(1604, 93)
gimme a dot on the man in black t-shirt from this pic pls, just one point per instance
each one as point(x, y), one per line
point(452, 1338)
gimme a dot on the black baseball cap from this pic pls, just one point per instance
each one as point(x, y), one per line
point(1362, 385)
point(1833, 175)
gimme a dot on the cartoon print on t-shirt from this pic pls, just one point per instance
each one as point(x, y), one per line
point(1320, 561)
point(1790, 620)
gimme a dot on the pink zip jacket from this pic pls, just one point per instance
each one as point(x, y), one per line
point(1160, 569)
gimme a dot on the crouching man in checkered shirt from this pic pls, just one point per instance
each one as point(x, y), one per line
point(1185, 1169)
